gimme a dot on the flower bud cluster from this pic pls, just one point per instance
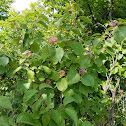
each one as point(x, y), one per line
point(113, 23)
point(53, 40)
point(27, 52)
point(82, 71)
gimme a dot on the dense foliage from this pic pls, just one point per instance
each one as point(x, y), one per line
point(56, 70)
point(4, 8)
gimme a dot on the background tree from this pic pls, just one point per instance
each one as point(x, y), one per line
point(4, 8)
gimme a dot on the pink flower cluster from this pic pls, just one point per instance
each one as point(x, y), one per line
point(113, 23)
point(121, 92)
point(53, 40)
point(48, 82)
point(68, 52)
point(27, 52)
point(1, 45)
point(62, 72)
point(71, 10)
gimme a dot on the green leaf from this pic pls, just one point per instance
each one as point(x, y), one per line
point(68, 100)
point(44, 24)
point(52, 123)
point(59, 22)
point(12, 121)
point(9, 73)
point(124, 75)
point(27, 85)
point(87, 123)
point(56, 116)
point(98, 62)
point(4, 121)
point(115, 70)
point(85, 19)
point(76, 31)
point(45, 18)
point(29, 94)
point(87, 80)
point(72, 113)
point(5, 102)
point(55, 75)
point(120, 33)
point(102, 69)
point(73, 57)
point(62, 122)
point(73, 77)
point(84, 61)
point(43, 85)
point(15, 41)
point(120, 56)
point(45, 53)
point(47, 69)
point(59, 52)
point(108, 43)
point(110, 51)
point(30, 76)
point(77, 96)
point(27, 40)
point(20, 86)
point(21, 61)
point(17, 69)
point(80, 25)
point(95, 109)
point(62, 84)
point(96, 41)
point(4, 61)
point(84, 89)
point(77, 47)
point(27, 118)
point(2, 69)
point(35, 47)
point(68, 92)
point(46, 118)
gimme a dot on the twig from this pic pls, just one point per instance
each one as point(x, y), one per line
point(109, 77)
point(62, 109)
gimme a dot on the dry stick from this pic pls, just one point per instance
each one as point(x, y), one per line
point(106, 87)
point(113, 102)
point(124, 107)
point(62, 109)
point(109, 77)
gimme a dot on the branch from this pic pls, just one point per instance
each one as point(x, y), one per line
point(114, 92)
point(109, 76)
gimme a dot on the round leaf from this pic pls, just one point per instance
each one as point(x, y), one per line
point(59, 52)
point(72, 113)
point(35, 47)
point(56, 117)
point(62, 84)
point(73, 77)
point(29, 94)
point(4, 121)
point(5, 102)
point(77, 47)
point(84, 61)
point(68, 100)
point(46, 118)
point(4, 61)
point(87, 80)
point(27, 118)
